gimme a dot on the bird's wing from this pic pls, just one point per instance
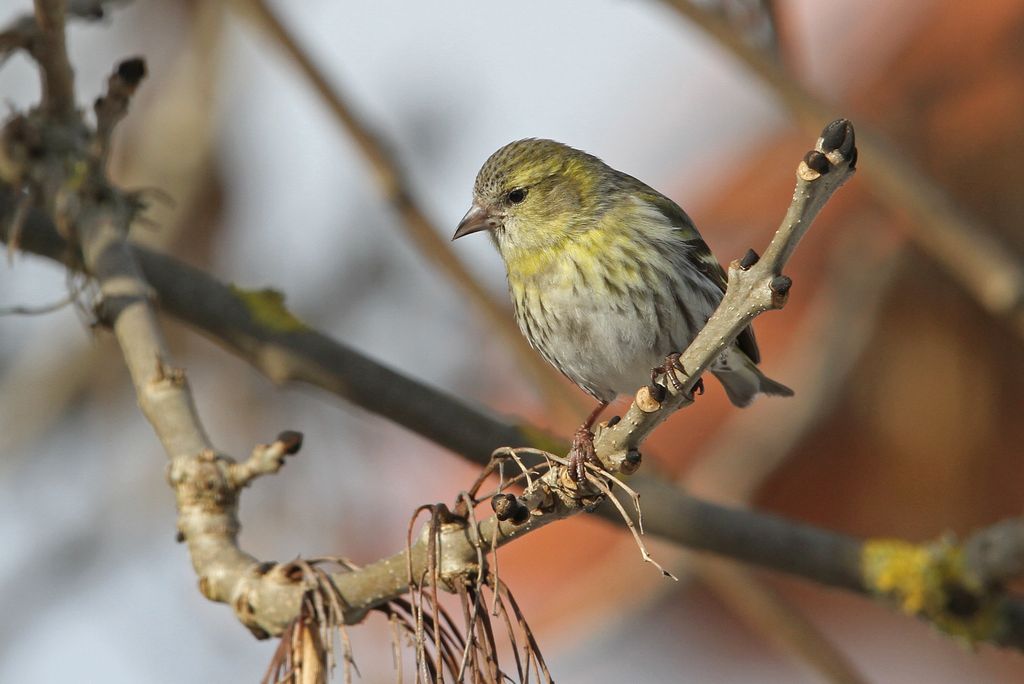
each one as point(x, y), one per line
point(701, 257)
point(708, 265)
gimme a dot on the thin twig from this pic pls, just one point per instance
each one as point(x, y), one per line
point(40, 309)
point(113, 105)
point(644, 553)
point(52, 54)
point(772, 616)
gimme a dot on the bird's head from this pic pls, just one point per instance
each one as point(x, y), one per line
point(533, 194)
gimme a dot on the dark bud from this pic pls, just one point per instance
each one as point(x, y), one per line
point(292, 441)
point(657, 392)
point(614, 420)
point(849, 144)
point(631, 463)
point(509, 507)
point(780, 285)
point(961, 602)
point(835, 134)
point(179, 537)
point(131, 71)
point(816, 161)
point(749, 259)
point(503, 505)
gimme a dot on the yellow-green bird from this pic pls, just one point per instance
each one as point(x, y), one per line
point(609, 278)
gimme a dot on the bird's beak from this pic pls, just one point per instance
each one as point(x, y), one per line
point(475, 220)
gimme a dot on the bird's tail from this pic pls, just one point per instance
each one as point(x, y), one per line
point(744, 380)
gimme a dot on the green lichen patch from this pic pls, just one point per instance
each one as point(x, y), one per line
point(932, 581)
point(267, 308)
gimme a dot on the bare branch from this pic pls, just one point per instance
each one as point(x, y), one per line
point(24, 32)
point(51, 52)
point(778, 622)
point(113, 106)
point(266, 459)
point(755, 286)
point(996, 555)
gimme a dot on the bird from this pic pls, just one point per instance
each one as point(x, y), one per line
point(609, 278)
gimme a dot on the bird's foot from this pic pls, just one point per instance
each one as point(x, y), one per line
point(668, 370)
point(582, 453)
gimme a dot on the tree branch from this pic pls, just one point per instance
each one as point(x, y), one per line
point(257, 327)
point(51, 52)
point(24, 32)
point(755, 286)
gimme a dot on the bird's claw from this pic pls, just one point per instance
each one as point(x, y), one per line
point(582, 452)
point(668, 370)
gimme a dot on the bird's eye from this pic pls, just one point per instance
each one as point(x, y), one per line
point(516, 195)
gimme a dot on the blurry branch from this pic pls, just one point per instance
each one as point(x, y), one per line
point(996, 554)
point(28, 34)
point(833, 336)
point(755, 20)
point(775, 619)
point(61, 162)
point(38, 309)
point(181, 108)
point(969, 250)
point(38, 386)
point(58, 368)
point(49, 50)
point(395, 188)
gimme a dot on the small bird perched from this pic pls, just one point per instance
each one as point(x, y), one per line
point(609, 278)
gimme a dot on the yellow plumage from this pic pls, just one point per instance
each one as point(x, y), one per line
point(607, 276)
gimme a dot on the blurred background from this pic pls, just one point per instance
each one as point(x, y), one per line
point(906, 420)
